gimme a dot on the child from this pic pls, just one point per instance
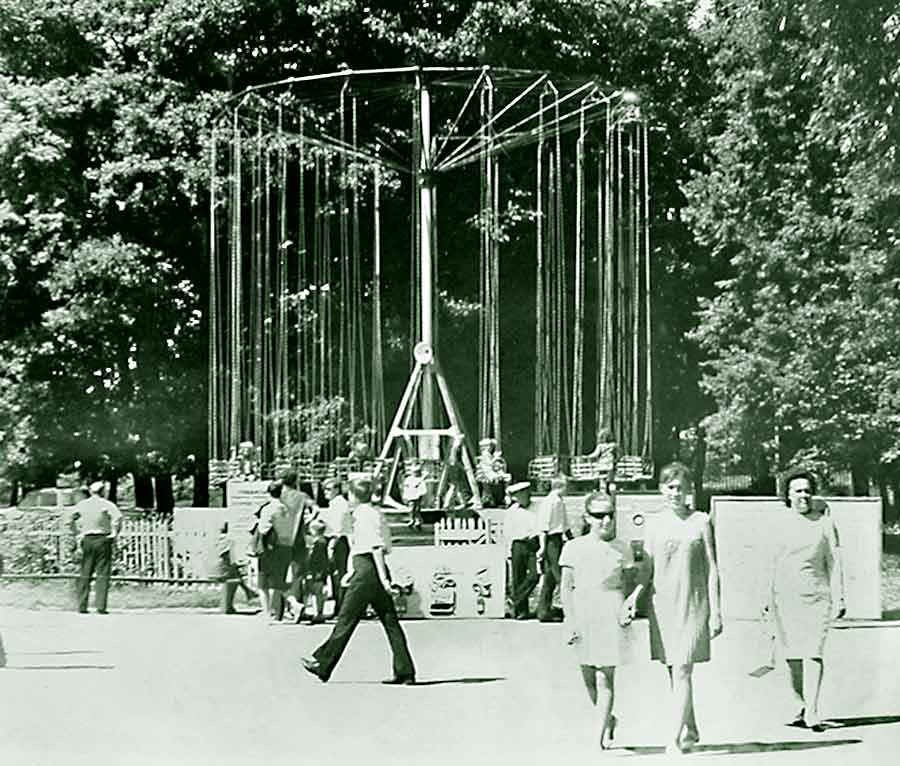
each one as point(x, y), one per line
point(317, 569)
point(223, 569)
point(413, 491)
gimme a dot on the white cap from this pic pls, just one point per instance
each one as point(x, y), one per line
point(519, 486)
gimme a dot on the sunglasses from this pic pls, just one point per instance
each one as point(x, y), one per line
point(600, 515)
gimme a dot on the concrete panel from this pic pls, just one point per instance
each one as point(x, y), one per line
point(746, 526)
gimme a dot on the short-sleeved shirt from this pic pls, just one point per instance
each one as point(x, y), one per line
point(369, 530)
point(96, 516)
point(519, 523)
point(551, 515)
point(337, 517)
point(276, 515)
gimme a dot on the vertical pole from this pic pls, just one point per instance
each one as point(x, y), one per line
point(426, 238)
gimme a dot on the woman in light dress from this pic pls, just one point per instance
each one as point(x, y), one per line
point(597, 571)
point(684, 597)
point(805, 591)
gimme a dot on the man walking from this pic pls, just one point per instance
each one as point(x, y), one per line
point(368, 583)
point(97, 523)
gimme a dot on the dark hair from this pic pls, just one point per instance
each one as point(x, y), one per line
point(362, 489)
point(274, 489)
point(289, 478)
point(797, 472)
point(676, 470)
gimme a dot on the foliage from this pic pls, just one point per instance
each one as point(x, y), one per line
point(799, 207)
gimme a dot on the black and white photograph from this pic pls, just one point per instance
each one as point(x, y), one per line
point(477, 382)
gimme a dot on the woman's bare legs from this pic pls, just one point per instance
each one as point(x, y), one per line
point(813, 668)
point(601, 688)
point(681, 677)
point(795, 670)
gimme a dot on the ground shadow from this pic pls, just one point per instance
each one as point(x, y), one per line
point(436, 681)
point(873, 720)
point(891, 614)
point(54, 653)
point(59, 667)
point(733, 748)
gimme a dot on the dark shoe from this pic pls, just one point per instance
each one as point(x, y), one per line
point(395, 681)
point(799, 719)
point(102, 611)
point(311, 665)
point(82, 611)
point(525, 616)
point(551, 618)
point(317, 621)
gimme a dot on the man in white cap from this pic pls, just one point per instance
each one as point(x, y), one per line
point(368, 584)
point(97, 522)
point(520, 531)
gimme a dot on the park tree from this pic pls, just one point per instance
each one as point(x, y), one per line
point(105, 108)
point(799, 208)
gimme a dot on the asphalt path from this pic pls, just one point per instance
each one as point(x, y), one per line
point(195, 687)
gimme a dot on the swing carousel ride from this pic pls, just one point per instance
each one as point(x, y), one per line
point(303, 174)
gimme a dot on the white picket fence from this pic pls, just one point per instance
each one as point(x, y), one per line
point(461, 532)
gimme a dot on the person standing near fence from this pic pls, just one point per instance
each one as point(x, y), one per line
point(553, 529)
point(368, 584)
point(96, 523)
point(338, 526)
point(520, 531)
point(277, 520)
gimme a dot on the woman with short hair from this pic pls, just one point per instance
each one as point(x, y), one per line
point(684, 605)
point(805, 591)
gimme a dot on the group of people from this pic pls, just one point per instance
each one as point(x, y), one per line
point(600, 578)
point(602, 582)
point(299, 550)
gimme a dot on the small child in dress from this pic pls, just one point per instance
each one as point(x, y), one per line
point(317, 569)
point(413, 492)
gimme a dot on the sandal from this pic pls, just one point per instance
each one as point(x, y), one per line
point(609, 734)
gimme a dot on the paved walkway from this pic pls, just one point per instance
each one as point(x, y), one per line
point(170, 687)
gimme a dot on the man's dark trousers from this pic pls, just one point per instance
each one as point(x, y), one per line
point(365, 588)
point(96, 559)
point(552, 575)
point(524, 575)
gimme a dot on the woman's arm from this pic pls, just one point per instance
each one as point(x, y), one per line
point(835, 570)
point(715, 606)
point(567, 595)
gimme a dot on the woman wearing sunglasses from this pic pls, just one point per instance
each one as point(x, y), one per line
point(597, 573)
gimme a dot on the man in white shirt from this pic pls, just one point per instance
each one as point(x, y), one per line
point(368, 583)
point(520, 532)
point(552, 527)
point(97, 522)
point(338, 520)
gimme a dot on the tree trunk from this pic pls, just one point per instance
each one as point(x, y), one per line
point(14, 493)
point(165, 496)
point(701, 502)
point(859, 479)
point(113, 489)
point(201, 486)
point(885, 500)
point(143, 490)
